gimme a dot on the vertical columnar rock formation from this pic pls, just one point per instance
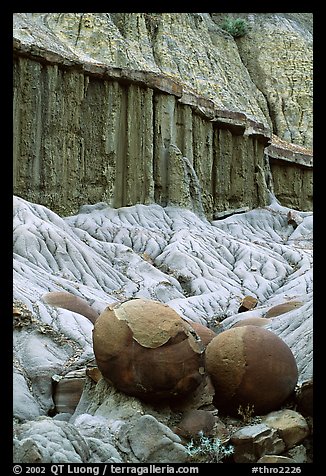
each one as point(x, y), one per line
point(143, 108)
point(292, 170)
point(80, 139)
point(153, 110)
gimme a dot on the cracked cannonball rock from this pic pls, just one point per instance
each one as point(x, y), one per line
point(145, 349)
point(252, 366)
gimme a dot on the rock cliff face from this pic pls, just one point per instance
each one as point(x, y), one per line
point(161, 126)
point(202, 270)
point(277, 52)
point(166, 108)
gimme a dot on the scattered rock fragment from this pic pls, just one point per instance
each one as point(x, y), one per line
point(22, 316)
point(194, 422)
point(252, 442)
point(291, 426)
point(67, 390)
point(294, 219)
point(275, 459)
point(94, 374)
point(298, 454)
point(248, 303)
point(304, 398)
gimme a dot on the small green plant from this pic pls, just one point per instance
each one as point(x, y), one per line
point(237, 27)
point(208, 450)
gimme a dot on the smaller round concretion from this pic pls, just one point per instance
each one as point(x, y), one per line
point(252, 321)
point(204, 332)
point(252, 366)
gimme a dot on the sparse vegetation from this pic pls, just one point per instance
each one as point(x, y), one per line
point(237, 27)
point(208, 450)
point(247, 414)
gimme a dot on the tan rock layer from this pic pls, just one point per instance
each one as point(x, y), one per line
point(147, 79)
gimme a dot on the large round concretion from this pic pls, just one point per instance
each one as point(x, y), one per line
point(145, 349)
point(252, 366)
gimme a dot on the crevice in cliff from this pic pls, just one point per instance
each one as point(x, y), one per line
point(153, 25)
point(80, 24)
point(283, 105)
point(271, 115)
point(119, 189)
point(195, 189)
point(152, 21)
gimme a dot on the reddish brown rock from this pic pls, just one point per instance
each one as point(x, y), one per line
point(67, 391)
point(94, 374)
point(145, 349)
point(252, 321)
point(282, 308)
point(305, 398)
point(250, 366)
point(204, 332)
point(71, 302)
point(201, 397)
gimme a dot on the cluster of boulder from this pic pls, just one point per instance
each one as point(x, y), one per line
point(239, 386)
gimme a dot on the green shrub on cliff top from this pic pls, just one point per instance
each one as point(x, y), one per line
point(235, 26)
